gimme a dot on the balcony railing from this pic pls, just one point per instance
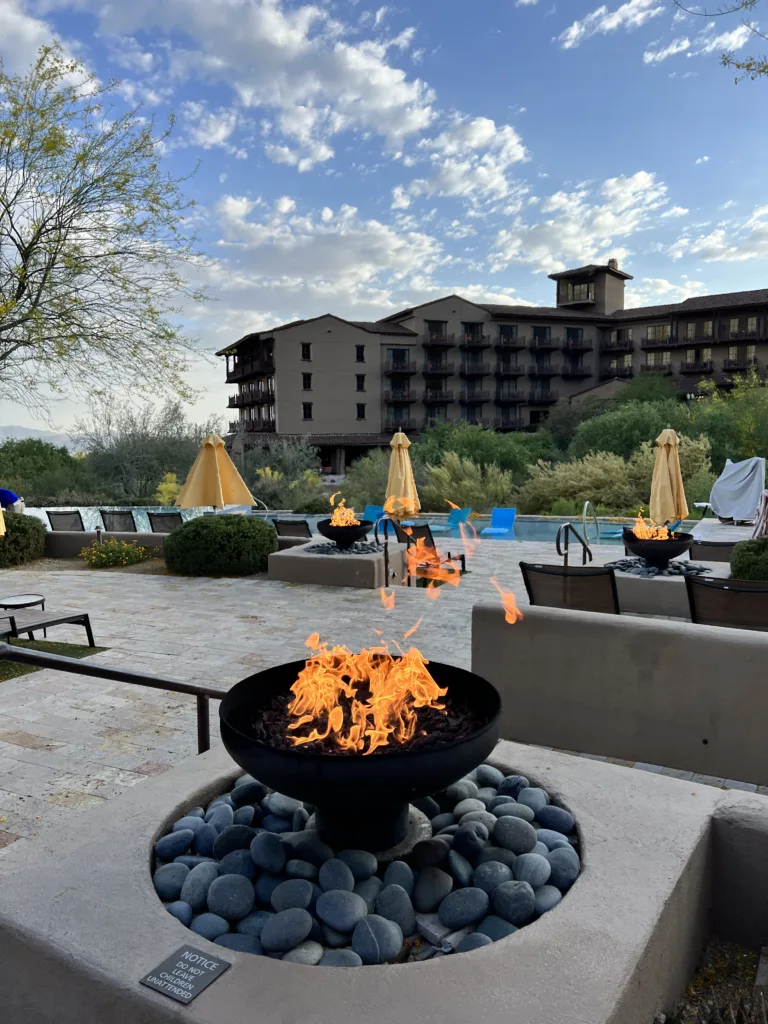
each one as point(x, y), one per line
point(544, 344)
point(474, 369)
point(399, 395)
point(662, 368)
point(437, 396)
point(669, 342)
point(476, 421)
point(538, 370)
point(432, 421)
point(400, 366)
point(250, 398)
point(258, 426)
point(393, 426)
point(509, 397)
point(509, 370)
point(622, 372)
point(468, 397)
point(726, 335)
point(699, 339)
point(510, 344)
point(626, 345)
point(234, 426)
point(442, 340)
point(576, 372)
point(577, 345)
point(432, 369)
point(700, 366)
point(542, 397)
point(742, 363)
point(474, 341)
point(249, 368)
point(508, 423)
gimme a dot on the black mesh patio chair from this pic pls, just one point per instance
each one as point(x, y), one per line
point(583, 588)
point(711, 550)
point(66, 521)
point(412, 534)
point(292, 528)
point(740, 604)
point(118, 522)
point(18, 623)
point(164, 522)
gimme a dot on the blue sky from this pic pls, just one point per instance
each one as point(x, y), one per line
point(358, 158)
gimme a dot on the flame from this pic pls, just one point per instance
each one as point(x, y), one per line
point(449, 502)
point(362, 701)
point(646, 529)
point(428, 563)
point(470, 544)
point(388, 600)
point(511, 612)
point(413, 629)
point(343, 516)
point(433, 591)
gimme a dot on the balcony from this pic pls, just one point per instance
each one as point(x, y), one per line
point(258, 426)
point(510, 344)
point(471, 397)
point(234, 426)
point(740, 365)
point(577, 345)
point(726, 335)
point(249, 368)
point(250, 398)
point(700, 339)
point(669, 342)
point(542, 397)
point(439, 369)
point(400, 366)
point(509, 397)
point(474, 369)
point(625, 345)
point(430, 339)
point(664, 369)
point(474, 341)
point(509, 423)
point(622, 372)
point(509, 370)
point(436, 396)
point(576, 372)
point(476, 421)
point(537, 370)
point(433, 421)
point(393, 425)
point(544, 344)
point(697, 366)
point(400, 395)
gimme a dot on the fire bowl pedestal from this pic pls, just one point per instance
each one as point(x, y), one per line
point(657, 552)
point(344, 536)
point(361, 800)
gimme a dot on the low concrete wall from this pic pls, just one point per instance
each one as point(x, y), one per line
point(740, 840)
point(366, 572)
point(69, 543)
point(660, 595)
point(670, 693)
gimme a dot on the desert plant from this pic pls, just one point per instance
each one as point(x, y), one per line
point(511, 452)
point(220, 546)
point(749, 560)
point(695, 467)
point(167, 490)
point(277, 490)
point(313, 507)
point(24, 540)
point(466, 484)
point(366, 479)
point(600, 478)
point(622, 430)
point(113, 553)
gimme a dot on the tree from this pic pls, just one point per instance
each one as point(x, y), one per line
point(94, 255)
point(749, 67)
point(622, 430)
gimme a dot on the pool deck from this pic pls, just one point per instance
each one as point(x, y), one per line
point(68, 743)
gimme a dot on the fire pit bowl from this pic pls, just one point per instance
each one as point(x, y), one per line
point(360, 800)
point(345, 536)
point(657, 553)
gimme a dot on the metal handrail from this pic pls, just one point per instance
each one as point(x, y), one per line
point(565, 532)
point(203, 694)
point(587, 506)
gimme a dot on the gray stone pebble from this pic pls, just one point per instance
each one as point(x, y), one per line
point(514, 810)
point(194, 891)
point(514, 834)
point(487, 775)
point(551, 839)
point(280, 805)
point(335, 874)
point(188, 821)
point(221, 817)
point(275, 824)
point(300, 819)
point(266, 885)
point(168, 881)
point(245, 815)
point(250, 792)
point(484, 817)
point(241, 943)
point(254, 923)
point(203, 841)
point(432, 886)
point(470, 839)
point(565, 867)
point(192, 860)
point(301, 869)
point(546, 897)
point(441, 821)
point(295, 893)
point(460, 868)
point(377, 940)
point(231, 896)
point(556, 818)
point(174, 844)
point(361, 863)
point(286, 930)
point(309, 846)
point(489, 874)
point(514, 902)
point(512, 785)
point(394, 903)
point(333, 938)
point(181, 911)
point(234, 837)
point(475, 940)
point(400, 873)
point(309, 953)
point(533, 869)
point(340, 958)
point(369, 889)
point(533, 797)
point(486, 794)
point(239, 862)
point(497, 853)
point(268, 852)
point(341, 910)
point(430, 853)
point(495, 928)
point(464, 806)
point(210, 926)
point(463, 907)
point(464, 790)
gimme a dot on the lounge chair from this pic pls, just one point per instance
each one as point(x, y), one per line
point(585, 588)
point(118, 522)
point(740, 604)
point(424, 532)
point(291, 533)
point(711, 550)
point(164, 522)
point(66, 521)
point(502, 523)
point(20, 623)
point(454, 520)
point(373, 513)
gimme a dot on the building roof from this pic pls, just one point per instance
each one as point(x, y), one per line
point(371, 327)
point(547, 312)
point(590, 270)
point(697, 304)
point(382, 327)
point(343, 440)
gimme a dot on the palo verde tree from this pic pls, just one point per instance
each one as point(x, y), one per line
point(748, 67)
point(94, 254)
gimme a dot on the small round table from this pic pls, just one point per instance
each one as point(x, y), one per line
point(23, 601)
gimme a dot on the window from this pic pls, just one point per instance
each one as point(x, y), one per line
point(706, 355)
point(690, 331)
point(622, 334)
point(733, 351)
point(435, 330)
point(574, 333)
point(660, 332)
point(659, 358)
point(306, 410)
point(751, 324)
point(361, 410)
point(306, 382)
point(306, 351)
point(581, 292)
point(751, 353)
point(360, 378)
point(626, 360)
point(396, 357)
point(507, 332)
point(542, 333)
point(472, 331)
point(706, 329)
point(360, 353)
point(733, 325)
point(617, 362)
point(690, 355)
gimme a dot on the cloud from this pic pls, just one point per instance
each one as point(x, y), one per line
point(526, 3)
point(211, 129)
point(675, 211)
point(702, 160)
point(583, 226)
point(22, 35)
point(400, 198)
point(285, 205)
point(629, 15)
point(653, 291)
point(729, 242)
point(657, 56)
point(727, 42)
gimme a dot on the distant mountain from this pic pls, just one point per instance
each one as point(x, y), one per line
point(19, 433)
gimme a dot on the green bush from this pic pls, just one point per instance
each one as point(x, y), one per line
point(622, 430)
point(600, 478)
point(313, 507)
point(24, 540)
point(112, 553)
point(465, 484)
point(511, 452)
point(220, 546)
point(750, 560)
point(565, 507)
point(366, 479)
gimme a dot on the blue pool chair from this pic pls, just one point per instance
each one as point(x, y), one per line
point(502, 522)
point(373, 512)
point(455, 519)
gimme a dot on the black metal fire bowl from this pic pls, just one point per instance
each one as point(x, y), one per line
point(657, 553)
point(345, 536)
point(361, 801)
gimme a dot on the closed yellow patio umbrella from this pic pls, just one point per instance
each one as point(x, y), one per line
point(213, 479)
point(667, 493)
point(402, 498)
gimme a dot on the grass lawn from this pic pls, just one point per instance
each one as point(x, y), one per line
point(10, 670)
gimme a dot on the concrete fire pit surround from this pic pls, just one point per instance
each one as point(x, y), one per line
point(80, 922)
point(363, 571)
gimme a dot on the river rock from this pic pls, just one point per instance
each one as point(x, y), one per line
point(533, 869)
point(512, 784)
point(340, 958)
point(533, 797)
point(254, 923)
point(464, 806)
point(514, 834)
point(489, 874)
point(194, 891)
point(369, 889)
point(286, 930)
point(460, 868)
point(514, 810)
point(301, 869)
point(181, 911)
point(430, 853)
point(230, 896)
point(308, 952)
point(221, 817)
point(174, 844)
point(188, 821)
point(204, 839)
point(246, 816)
point(487, 775)
point(565, 867)
point(361, 863)
point(514, 902)
point(556, 818)
point(341, 910)
point(551, 839)
point(234, 837)
point(432, 887)
point(168, 881)
point(484, 817)
point(241, 943)
point(210, 926)
point(377, 940)
point(280, 805)
point(335, 874)
point(251, 792)
point(400, 873)
point(470, 839)
point(475, 940)
point(309, 846)
point(266, 885)
point(268, 853)
point(497, 853)
point(394, 903)
point(239, 862)
point(547, 897)
point(463, 907)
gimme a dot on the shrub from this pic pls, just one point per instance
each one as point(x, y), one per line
point(167, 490)
point(511, 452)
point(565, 507)
point(313, 507)
point(750, 560)
point(220, 546)
point(24, 540)
point(624, 429)
point(465, 484)
point(113, 553)
point(601, 478)
point(278, 490)
point(366, 479)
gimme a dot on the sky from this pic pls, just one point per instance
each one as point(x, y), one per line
point(358, 158)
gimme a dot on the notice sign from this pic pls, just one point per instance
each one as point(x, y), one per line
point(185, 974)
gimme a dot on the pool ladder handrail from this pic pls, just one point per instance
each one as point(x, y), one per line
point(564, 533)
point(584, 512)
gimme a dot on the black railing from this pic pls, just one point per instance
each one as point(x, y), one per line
point(400, 366)
point(474, 396)
point(398, 395)
point(622, 372)
point(476, 369)
point(510, 343)
point(509, 370)
point(258, 426)
point(437, 395)
point(577, 345)
point(249, 367)
point(438, 369)
point(250, 398)
point(742, 363)
point(703, 366)
point(623, 345)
